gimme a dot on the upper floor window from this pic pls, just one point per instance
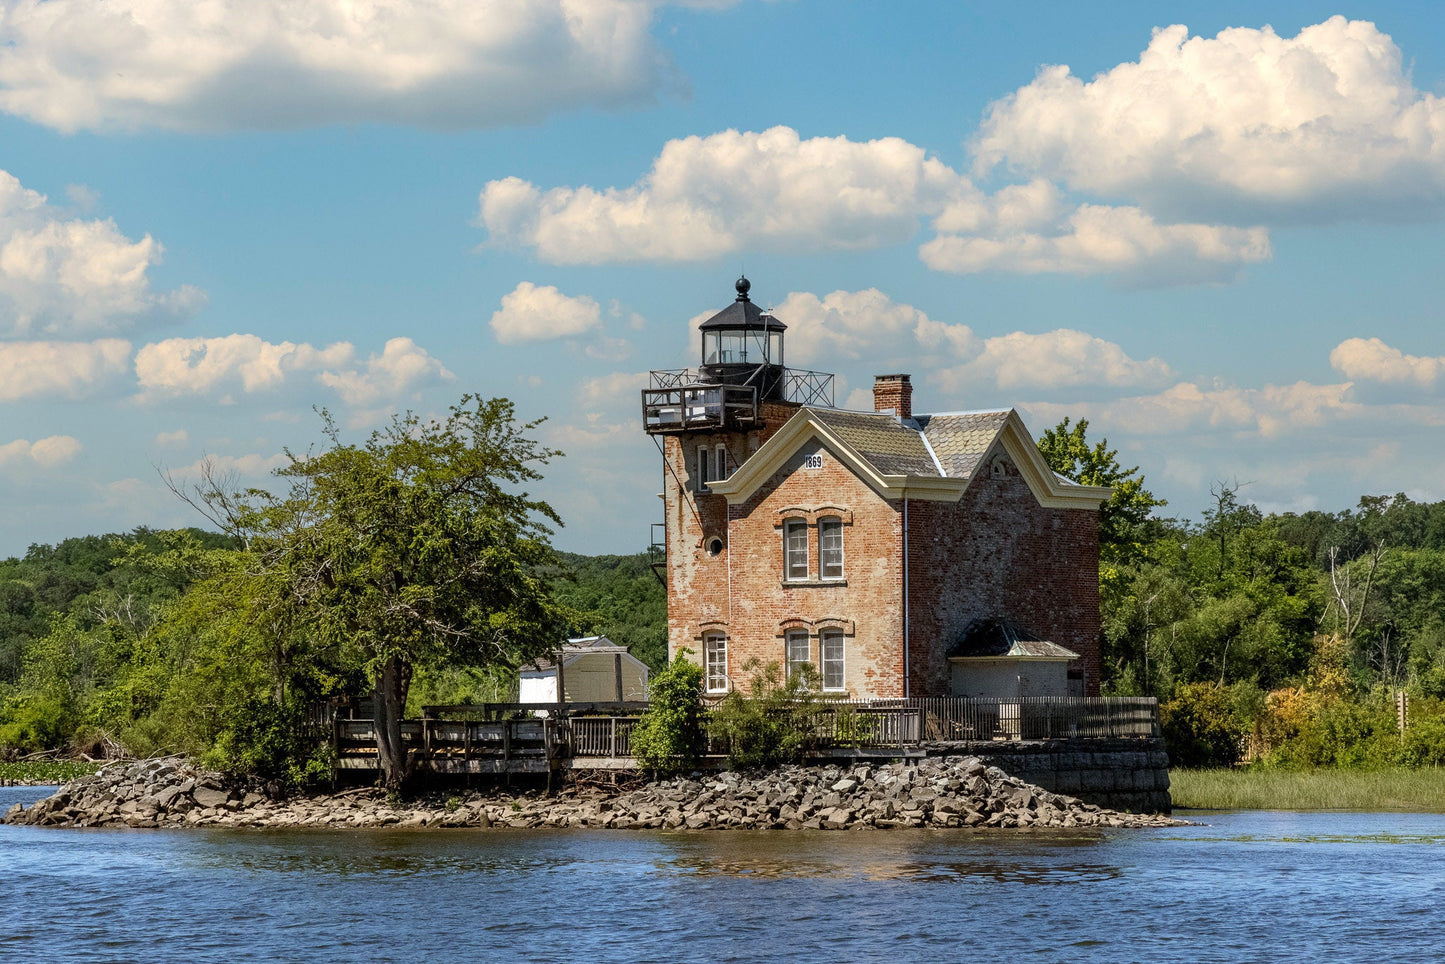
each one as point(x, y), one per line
point(830, 654)
point(830, 547)
point(719, 464)
point(795, 549)
point(704, 467)
point(798, 650)
point(715, 662)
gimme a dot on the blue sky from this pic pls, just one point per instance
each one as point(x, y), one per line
point(1218, 241)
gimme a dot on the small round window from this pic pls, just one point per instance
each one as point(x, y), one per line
point(714, 546)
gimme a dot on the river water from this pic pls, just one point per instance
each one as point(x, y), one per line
point(1246, 886)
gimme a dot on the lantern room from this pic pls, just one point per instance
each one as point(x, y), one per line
point(743, 345)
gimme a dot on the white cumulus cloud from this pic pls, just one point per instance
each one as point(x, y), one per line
point(1267, 412)
point(68, 276)
point(533, 313)
point(32, 369)
point(226, 64)
point(858, 324)
point(242, 364)
point(845, 327)
point(710, 196)
point(1057, 359)
point(400, 369)
point(1096, 239)
point(46, 452)
point(1370, 359)
point(1323, 124)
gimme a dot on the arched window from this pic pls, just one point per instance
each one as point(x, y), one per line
point(795, 550)
point(715, 662)
point(830, 547)
point(798, 652)
point(830, 654)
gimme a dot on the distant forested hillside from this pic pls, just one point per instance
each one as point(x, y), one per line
point(623, 599)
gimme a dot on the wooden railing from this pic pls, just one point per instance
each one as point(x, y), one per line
point(1038, 718)
point(601, 736)
point(497, 737)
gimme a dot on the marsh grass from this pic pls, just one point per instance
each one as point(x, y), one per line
point(1421, 790)
point(39, 772)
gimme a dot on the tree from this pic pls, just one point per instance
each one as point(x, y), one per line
point(411, 549)
point(670, 736)
point(1123, 519)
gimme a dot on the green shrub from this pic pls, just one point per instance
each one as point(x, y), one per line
point(1200, 728)
point(669, 737)
point(38, 721)
point(1423, 744)
point(271, 741)
point(775, 722)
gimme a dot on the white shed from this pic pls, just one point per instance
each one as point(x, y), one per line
point(995, 659)
point(592, 669)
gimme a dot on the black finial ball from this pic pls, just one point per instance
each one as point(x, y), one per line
point(744, 286)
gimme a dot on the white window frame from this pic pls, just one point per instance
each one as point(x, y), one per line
point(795, 556)
point(830, 557)
point(833, 665)
point(704, 460)
point(719, 464)
point(797, 650)
point(715, 662)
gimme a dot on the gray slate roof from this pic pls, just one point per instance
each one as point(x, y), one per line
point(999, 638)
point(896, 447)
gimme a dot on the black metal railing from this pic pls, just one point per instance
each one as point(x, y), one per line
point(695, 407)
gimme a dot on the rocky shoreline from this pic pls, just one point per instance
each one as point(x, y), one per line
point(948, 792)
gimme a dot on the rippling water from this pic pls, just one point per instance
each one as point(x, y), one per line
point(1241, 887)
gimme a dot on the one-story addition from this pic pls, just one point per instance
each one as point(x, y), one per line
point(900, 554)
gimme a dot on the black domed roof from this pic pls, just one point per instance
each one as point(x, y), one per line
point(743, 314)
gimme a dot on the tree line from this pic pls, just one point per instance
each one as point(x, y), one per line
point(414, 568)
point(1282, 638)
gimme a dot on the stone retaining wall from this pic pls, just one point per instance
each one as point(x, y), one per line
point(1129, 775)
point(953, 792)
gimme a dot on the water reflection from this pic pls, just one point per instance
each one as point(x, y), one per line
point(899, 855)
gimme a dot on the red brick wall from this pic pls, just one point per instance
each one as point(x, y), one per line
point(696, 583)
point(866, 603)
point(997, 552)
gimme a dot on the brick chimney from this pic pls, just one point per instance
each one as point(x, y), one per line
point(893, 393)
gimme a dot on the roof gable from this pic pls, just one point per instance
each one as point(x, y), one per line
point(932, 457)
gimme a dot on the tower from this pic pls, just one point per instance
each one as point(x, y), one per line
point(707, 421)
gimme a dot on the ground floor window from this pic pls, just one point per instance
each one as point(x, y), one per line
point(830, 654)
point(798, 651)
point(715, 662)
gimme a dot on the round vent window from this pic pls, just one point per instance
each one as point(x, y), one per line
point(714, 546)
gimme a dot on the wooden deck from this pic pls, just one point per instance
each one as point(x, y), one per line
point(512, 738)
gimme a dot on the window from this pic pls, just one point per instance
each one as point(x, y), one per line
point(715, 662)
point(719, 464)
point(795, 549)
point(830, 547)
point(703, 465)
point(830, 652)
point(798, 650)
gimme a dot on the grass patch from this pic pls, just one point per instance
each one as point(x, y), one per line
point(44, 771)
point(1420, 790)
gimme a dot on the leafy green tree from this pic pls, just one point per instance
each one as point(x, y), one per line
point(410, 549)
point(1124, 529)
point(669, 737)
